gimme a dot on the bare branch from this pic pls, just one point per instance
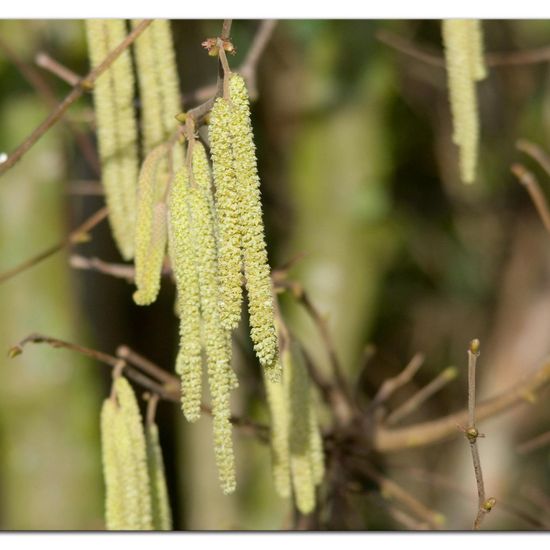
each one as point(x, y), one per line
point(169, 390)
point(120, 271)
point(391, 385)
point(84, 85)
point(529, 181)
point(534, 444)
point(425, 433)
point(422, 395)
point(433, 57)
point(536, 152)
point(76, 236)
point(44, 61)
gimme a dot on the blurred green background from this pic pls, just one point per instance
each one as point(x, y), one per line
point(360, 175)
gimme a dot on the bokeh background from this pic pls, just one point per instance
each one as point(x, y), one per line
point(360, 175)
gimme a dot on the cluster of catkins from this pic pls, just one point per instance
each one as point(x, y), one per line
point(210, 224)
point(296, 444)
point(215, 240)
point(137, 496)
point(463, 42)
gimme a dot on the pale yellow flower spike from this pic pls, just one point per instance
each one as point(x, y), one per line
point(316, 453)
point(218, 351)
point(132, 439)
point(150, 235)
point(114, 497)
point(182, 257)
point(228, 215)
point(159, 93)
point(256, 267)
point(464, 59)
point(116, 129)
point(279, 412)
point(297, 388)
point(162, 515)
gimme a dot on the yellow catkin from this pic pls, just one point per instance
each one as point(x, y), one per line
point(150, 234)
point(316, 453)
point(279, 413)
point(297, 389)
point(114, 497)
point(228, 214)
point(184, 261)
point(162, 515)
point(160, 96)
point(116, 129)
point(464, 59)
point(132, 449)
point(256, 267)
point(218, 351)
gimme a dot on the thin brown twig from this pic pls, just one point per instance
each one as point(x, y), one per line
point(391, 490)
point(387, 440)
point(391, 385)
point(119, 271)
point(34, 78)
point(534, 443)
point(422, 395)
point(105, 358)
point(440, 481)
point(170, 390)
point(84, 85)
point(44, 61)
point(485, 505)
point(433, 57)
point(322, 327)
point(131, 356)
point(248, 68)
point(75, 236)
point(536, 152)
point(529, 181)
point(86, 188)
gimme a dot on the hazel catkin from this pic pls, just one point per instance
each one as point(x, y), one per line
point(464, 59)
point(116, 129)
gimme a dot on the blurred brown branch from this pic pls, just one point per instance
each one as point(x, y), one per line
point(84, 85)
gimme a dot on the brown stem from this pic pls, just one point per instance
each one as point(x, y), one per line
point(533, 444)
point(535, 152)
point(85, 84)
point(74, 237)
point(44, 61)
point(391, 385)
point(529, 181)
point(35, 79)
point(170, 390)
point(432, 57)
point(425, 433)
point(421, 396)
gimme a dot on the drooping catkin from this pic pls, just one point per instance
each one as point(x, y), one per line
point(278, 406)
point(184, 261)
point(228, 211)
point(256, 267)
point(116, 125)
point(134, 457)
point(160, 505)
point(464, 58)
point(297, 387)
point(114, 497)
point(150, 234)
point(159, 90)
point(218, 352)
point(128, 497)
